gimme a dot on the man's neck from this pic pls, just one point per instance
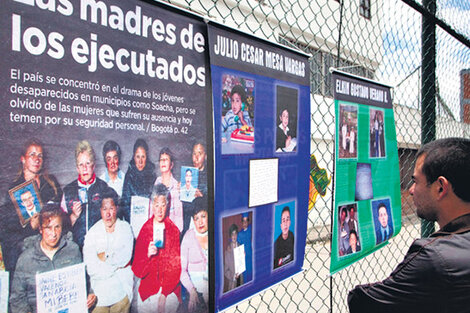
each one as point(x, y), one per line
point(451, 208)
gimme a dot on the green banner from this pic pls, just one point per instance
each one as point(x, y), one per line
point(367, 203)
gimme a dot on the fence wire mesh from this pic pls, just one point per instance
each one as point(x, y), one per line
point(378, 39)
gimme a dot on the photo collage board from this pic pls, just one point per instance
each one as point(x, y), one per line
point(367, 203)
point(261, 99)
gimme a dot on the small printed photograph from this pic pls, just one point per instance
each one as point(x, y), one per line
point(27, 201)
point(364, 189)
point(189, 183)
point(383, 223)
point(347, 132)
point(286, 121)
point(348, 229)
point(284, 228)
point(377, 136)
point(238, 101)
point(238, 252)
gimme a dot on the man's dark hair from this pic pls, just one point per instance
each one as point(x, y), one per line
point(449, 157)
point(382, 205)
point(285, 209)
point(111, 145)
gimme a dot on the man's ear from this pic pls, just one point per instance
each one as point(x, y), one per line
point(443, 187)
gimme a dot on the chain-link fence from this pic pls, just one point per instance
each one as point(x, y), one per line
point(420, 49)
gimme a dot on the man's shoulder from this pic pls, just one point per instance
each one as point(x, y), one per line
point(449, 247)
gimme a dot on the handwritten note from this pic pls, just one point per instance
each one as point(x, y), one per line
point(62, 290)
point(263, 181)
point(139, 213)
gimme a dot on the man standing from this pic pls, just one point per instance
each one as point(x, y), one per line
point(107, 254)
point(435, 274)
point(284, 245)
point(44, 252)
point(384, 230)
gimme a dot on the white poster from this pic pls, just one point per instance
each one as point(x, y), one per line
point(62, 290)
point(239, 255)
point(139, 213)
point(4, 287)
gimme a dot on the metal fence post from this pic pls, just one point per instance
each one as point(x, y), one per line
point(428, 90)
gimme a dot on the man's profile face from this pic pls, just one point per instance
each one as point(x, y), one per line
point(383, 216)
point(28, 201)
point(421, 192)
point(285, 222)
point(51, 232)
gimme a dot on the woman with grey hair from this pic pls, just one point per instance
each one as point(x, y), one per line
point(157, 259)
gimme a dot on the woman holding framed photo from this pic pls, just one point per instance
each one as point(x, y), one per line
point(32, 171)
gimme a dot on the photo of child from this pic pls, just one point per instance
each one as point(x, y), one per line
point(237, 115)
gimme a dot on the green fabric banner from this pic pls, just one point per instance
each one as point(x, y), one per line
point(367, 202)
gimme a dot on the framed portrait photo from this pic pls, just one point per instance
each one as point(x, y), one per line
point(26, 199)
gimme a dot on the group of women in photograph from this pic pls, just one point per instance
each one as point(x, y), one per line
point(169, 275)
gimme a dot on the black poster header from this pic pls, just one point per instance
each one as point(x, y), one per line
point(233, 50)
point(352, 89)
